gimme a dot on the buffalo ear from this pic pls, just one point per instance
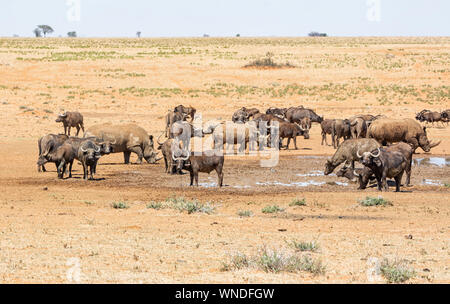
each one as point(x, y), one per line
point(377, 161)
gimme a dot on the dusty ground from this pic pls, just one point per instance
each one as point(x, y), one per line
point(49, 226)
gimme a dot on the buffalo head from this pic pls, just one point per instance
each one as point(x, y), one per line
point(370, 158)
point(61, 117)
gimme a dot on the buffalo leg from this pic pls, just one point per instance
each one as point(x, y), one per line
point(78, 129)
point(219, 170)
point(398, 180)
point(166, 165)
point(192, 177)
point(126, 157)
point(288, 142)
point(91, 169)
point(85, 171)
point(384, 183)
point(408, 173)
point(65, 130)
point(196, 178)
point(295, 142)
point(59, 168)
point(70, 168)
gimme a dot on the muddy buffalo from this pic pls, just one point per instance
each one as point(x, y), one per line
point(347, 153)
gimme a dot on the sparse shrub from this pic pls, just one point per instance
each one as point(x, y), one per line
point(272, 209)
point(268, 62)
point(271, 260)
point(274, 261)
point(304, 246)
point(180, 203)
point(396, 271)
point(238, 261)
point(120, 205)
point(245, 213)
point(447, 185)
point(155, 205)
point(314, 266)
point(298, 202)
point(374, 201)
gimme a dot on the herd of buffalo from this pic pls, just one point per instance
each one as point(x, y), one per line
point(384, 146)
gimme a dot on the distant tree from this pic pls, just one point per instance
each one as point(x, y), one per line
point(37, 32)
point(238, 35)
point(46, 29)
point(317, 34)
point(138, 34)
point(72, 34)
point(205, 35)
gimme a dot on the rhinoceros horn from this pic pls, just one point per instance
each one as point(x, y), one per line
point(434, 144)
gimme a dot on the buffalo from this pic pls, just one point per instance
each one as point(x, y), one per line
point(385, 164)
point(291, 131)
point(297, 114)
point(340, 129)
point(47, 145)
point(71, 120)
point(347, 153)
point(204, 163)
point(358, 127)
point(327, 128)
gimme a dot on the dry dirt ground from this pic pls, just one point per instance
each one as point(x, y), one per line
point(52, 230)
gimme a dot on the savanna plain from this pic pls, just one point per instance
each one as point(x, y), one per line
point(286, 224)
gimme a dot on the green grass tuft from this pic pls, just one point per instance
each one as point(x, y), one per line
point(272, 209)
point(396, 271)
point(374, 201)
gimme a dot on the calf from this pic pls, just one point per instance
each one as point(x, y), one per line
point(204, 163)
point(358, 128)
point(341, 128)
point(88, 155)
point(364, 175)
point(327, 128)
point(291, 130)
point(64, 155)
point(166, 150)
point(71, 120)
point(385, 164)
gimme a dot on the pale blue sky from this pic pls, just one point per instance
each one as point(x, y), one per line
point(177, 18)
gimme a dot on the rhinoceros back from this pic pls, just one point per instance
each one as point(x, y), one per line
point(122, 137)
